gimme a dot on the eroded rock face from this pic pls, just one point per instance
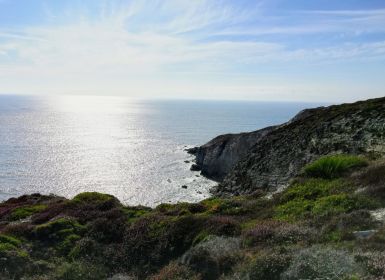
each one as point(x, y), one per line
point(216, 158)
point(280, 154)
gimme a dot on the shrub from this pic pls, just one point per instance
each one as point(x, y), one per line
point(109, 227)
point(175, 271)
point(222, 225)
point(341, 227)
point(133, 213)
point(374, 262)
point(79, 271)
point(18, 230)
point(333, 204)
point(376, 241)
point(341, 203)
point(373, 178)
point(93, 197)
point(10, 240)
point(86, 248)
point(275, 233)
point(212, 257)
point(264, 265)
point(374, 175)
point(323, 263)
point(90, 205)
point(154, 240)
point(26, 211)
point(50, 212)
point(333, 166)
point(58, 229)
point(323, 207)
point(293, 210)
point(14, 262)
point(315, 188)
point(68, 243)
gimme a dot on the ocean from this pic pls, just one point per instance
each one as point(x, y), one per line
point(133, 150)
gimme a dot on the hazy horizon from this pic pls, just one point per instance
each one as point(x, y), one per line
point(278, 50)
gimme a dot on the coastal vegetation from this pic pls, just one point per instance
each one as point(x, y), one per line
point(328, 224)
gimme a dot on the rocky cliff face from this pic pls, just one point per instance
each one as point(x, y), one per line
point(217, 158)
point(268, 158)
point(357, 128)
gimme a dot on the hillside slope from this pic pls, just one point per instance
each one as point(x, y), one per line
point(325, 225)
point(357, 128)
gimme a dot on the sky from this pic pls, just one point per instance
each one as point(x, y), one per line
point(274, 50)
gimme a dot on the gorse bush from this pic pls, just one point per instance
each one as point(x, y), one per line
point(334, 166)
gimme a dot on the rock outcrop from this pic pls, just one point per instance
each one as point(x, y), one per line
point(357, 128)
point(216, 158)
point(269, 157)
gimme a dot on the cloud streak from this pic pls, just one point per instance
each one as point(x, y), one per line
point(161, 48)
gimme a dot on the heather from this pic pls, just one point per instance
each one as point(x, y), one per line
point(320, 227)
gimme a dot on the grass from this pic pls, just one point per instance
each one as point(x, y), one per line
point(334, 166)
point(24, 212)
point(316, 197)
point(314, 188)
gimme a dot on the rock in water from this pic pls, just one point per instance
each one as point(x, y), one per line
point(195, 167)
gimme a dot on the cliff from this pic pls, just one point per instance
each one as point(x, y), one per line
point(217, 158)
point(280, 153)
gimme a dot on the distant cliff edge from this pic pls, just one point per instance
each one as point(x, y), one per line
point(269, 157)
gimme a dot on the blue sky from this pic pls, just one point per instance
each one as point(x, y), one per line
point(296, 50)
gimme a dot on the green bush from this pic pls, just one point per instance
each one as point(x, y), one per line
point(93, 197)
point(334, 166)
point(14, 261)
point(333, 204)
point(294, 210)
point(315, 188)
point(24, 212)
point(324, 206)
point(58, 229)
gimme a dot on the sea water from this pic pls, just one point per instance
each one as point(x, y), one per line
point(131, 149)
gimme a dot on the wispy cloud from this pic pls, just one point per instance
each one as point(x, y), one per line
point(143, 46)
